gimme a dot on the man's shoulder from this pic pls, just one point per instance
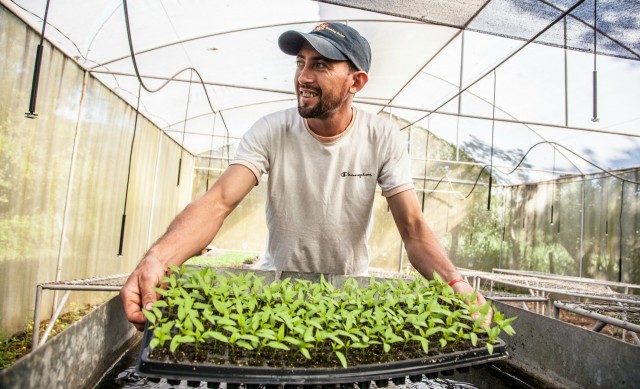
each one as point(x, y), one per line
point(276, 122)
point(376, 124)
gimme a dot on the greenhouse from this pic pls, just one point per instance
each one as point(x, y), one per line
point(520, 119)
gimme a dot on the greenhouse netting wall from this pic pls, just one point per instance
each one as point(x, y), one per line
point(583, 226)
point(63, 178)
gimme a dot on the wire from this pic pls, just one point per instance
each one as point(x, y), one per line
point(137, 71)
point(446, 177)
point(93, 38)
point(608, 172)
point(224, 123)
point(126, 193)
point(476, 183)
point(426, 161)
point(213, 131)
point(184, 127)
point(49, 24)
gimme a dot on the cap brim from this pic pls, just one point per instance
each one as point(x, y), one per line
point(291, 42)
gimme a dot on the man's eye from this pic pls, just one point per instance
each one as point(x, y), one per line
point(321, 65)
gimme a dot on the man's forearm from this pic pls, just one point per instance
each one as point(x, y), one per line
point(428, 256)
point(188, 233)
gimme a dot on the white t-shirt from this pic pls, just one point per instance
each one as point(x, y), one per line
point(321, 190)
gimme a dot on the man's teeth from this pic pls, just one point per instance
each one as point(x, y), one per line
point(308, 94)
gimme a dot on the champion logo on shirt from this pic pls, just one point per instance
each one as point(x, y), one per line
point(347, 174)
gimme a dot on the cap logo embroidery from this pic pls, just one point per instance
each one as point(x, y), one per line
point(325, 26)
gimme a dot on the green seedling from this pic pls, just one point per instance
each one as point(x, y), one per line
point(201, 306)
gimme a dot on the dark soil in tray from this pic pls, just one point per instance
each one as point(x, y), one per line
point(222, 355)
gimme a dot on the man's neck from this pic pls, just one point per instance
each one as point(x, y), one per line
point(332, 126)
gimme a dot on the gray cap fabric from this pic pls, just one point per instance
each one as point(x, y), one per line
point(334, 41)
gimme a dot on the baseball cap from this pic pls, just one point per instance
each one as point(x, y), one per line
point(335, 41)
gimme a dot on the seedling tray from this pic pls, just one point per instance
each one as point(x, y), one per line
point(249, 375)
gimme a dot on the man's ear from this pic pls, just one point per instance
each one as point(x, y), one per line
point(360, 79)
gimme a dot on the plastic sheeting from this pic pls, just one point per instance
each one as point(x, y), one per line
point(63, 178)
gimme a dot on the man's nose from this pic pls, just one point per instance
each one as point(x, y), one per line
point(304, 75)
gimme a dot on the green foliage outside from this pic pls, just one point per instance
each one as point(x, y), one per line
point(539, 231)
point(230, 259)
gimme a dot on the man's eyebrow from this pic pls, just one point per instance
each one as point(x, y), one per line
point(315, 58)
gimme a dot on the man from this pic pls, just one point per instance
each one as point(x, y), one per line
point(324, 161)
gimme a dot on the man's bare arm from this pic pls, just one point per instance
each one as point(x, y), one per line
point(426, 254)
point(188, 234)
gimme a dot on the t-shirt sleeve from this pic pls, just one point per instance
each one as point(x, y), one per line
point(253, 150)
point(395, 171)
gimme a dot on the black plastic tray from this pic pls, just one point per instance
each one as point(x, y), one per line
point(213, 373)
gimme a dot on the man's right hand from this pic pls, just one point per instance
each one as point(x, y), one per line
point(188, 233)
point(139, 289)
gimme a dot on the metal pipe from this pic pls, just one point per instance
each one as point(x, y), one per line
point(87, 281)
point(620, 232)
point(36, 319)
point(564, 292)
point(582, 211)
point(155, 188)
point(504, 225)
point(558, 277)
point(53, 319)
point(67, 201)
point(566, 76)
point(598, 326)
point(94, 288)
point(606, 319)
point(594, 118)
point(530, 299)
point(460, 96)
point(367, 101)
point(35, 334)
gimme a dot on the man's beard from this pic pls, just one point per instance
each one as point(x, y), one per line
point(323, 108)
